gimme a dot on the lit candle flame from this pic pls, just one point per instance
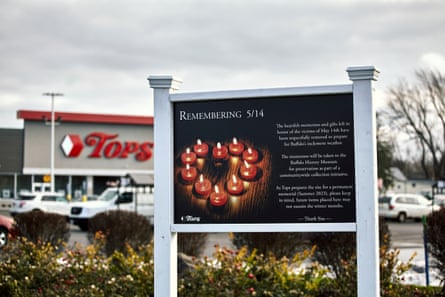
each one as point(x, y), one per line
point(201, 178)
point(246, 164)
point(198, 141)
point(218, 145)
point(187, 166)
point(187, 150)
point(216, 189)
point(249, 150)
point(234, 179)
point(235, 141)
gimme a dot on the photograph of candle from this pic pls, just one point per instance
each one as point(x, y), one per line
point(235, 147)
point(219, 152)
point(235, 186)
point(188, 174)
point(201, 149)
point(217, 198)
point(188, 157)
point(203, 186)
point(248, 171)
point(250, 155)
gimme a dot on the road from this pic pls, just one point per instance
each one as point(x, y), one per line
point(406, 234)
point(78, 236)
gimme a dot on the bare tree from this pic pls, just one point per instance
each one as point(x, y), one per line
point(418, 110)
point(385, 149)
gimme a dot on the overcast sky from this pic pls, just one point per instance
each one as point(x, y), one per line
point(99, 53)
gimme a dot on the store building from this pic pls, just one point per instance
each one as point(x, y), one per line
point(92, 152)
point(11, 162)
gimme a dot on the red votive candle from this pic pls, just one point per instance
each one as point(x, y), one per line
point(235, 186)
point(248, 171)
point(203, 186)
point(219, 152)
point(188, 173)
point(250, 155)
point(188, 157)
point(218, 198)
point(235, 147)
point(201, 149)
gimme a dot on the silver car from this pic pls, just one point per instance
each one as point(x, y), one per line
point(402, 206)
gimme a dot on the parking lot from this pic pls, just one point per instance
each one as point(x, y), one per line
point(408, 235)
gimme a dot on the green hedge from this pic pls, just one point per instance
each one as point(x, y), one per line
point(29, 269)
point(39, 264)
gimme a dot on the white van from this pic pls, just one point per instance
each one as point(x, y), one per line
point(135, 199)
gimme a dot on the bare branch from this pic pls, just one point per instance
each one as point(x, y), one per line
point(419, 111)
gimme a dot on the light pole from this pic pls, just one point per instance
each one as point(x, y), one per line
point(52, 95)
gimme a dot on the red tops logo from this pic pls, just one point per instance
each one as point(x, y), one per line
point(106, 146)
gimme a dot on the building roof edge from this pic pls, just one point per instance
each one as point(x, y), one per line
point(35, 115)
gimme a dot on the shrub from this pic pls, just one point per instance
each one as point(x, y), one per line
point(119, 229)
point(334, 249)
point(43, 227)
point(244, 273)
point(337, 249)
point(280, 244)
point(27, 269)
point(192, 244)
point(435, 232)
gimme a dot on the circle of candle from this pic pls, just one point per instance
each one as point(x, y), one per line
point(203, 186)
point(235, 147)
point(201, 149)
point(248, 171)
point(219, 152)
point(250, 155)
point(218, 198)
point(235, 186)
point(188, 173)
point(188, 157)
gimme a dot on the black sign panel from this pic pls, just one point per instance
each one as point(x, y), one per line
point(264, 160)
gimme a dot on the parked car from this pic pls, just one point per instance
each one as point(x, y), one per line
point(125, 198)
point(43, 201)
point(6, 229)
point(402, 206)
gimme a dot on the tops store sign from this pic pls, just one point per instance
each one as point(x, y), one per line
point(105, 145)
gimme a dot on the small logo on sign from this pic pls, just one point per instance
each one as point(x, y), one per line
point(72, 145)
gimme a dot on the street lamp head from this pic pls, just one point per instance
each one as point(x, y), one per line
point(52, 94)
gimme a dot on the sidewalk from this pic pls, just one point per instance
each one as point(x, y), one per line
point(417, 274)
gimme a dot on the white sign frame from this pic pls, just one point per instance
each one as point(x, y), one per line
point(366, 226)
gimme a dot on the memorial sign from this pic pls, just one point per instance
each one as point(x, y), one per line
point(265, 160)
point(297, 159)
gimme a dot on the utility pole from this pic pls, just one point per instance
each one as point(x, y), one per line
point(52, 95)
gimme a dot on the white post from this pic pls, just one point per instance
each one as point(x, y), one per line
point(52, 144)
point(165, 242)
point(368, 275)
point(52, 95)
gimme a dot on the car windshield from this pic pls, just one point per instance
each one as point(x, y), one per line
point(384, 199)
point(107, 196)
